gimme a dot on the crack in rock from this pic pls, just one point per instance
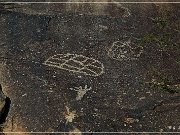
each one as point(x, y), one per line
point(4, 108)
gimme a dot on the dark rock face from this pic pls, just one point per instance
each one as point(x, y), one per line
point(138, 94)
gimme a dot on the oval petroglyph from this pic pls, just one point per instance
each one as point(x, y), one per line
point(124, 51)
point(76, 63)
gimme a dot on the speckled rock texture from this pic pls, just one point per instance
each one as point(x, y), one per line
point(111, 67)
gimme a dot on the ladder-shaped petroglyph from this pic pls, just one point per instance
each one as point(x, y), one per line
point(81, 91)
point(124, 51)
point(76, 63)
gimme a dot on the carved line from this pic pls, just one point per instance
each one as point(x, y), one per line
point(79, 70)
point(115, 47)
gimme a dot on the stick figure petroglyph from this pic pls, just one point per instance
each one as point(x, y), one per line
point(81, 91)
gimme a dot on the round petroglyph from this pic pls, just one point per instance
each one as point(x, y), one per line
point(124, 51)
point(76, 63)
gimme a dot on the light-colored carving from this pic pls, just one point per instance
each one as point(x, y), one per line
point(124, 51)
point(76, 63)
point(130, 120)
point(127, 12)
point(69, 116)
point(75, 131)
point(81, 91)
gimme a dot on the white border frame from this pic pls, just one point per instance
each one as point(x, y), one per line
point(143, 2)
point(91, 132)
point(96, 2)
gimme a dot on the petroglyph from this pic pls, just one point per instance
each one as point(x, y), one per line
point(69, 116)
point(124, 51)
point(76, 63)
point(130, 120)
point(81, 91)
point(75, 131)
point(127, 12)
point(102, 27)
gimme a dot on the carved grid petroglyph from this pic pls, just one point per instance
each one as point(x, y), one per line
point(76, 63)
point(124, 51)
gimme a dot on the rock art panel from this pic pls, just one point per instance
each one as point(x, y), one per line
point(76, 63)
point(125, 51)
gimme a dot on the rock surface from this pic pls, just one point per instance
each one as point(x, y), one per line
point(132, 95)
